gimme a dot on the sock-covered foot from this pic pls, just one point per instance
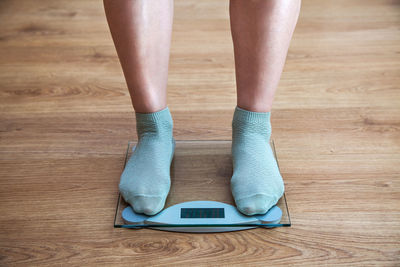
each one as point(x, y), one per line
point(145, 181)
point(256, 183)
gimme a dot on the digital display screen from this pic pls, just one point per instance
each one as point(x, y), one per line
point(192, 213)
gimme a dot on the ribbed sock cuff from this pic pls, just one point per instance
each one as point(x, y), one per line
point(251, 116)
point(159, 123)
point(163, 114)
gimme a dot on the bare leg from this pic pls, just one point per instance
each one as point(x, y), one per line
point(261, 32)
point(141, 31)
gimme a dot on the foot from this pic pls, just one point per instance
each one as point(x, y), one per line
point(256, 183)
point(145, 181)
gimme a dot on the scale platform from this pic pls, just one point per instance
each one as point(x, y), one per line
point(200, 199)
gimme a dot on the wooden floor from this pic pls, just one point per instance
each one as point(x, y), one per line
point(66, 118)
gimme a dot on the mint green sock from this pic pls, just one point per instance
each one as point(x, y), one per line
point(145, 181)
point(256, 183)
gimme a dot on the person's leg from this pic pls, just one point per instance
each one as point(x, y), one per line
point(141, 31)
point(261, 33)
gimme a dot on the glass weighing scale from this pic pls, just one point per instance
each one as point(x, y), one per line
point(200, 198)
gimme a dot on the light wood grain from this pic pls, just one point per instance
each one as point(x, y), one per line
point(66, 118)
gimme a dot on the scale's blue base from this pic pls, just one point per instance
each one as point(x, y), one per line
point(201, 216)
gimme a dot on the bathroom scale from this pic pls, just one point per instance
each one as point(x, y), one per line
point(200, 198)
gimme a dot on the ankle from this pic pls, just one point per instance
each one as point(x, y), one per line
point(155, 124)
point(255, 107)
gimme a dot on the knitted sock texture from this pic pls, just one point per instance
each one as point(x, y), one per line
point(145, 181)
point(256, 183)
